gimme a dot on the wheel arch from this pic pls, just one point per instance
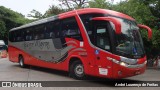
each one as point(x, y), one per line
point(73, 59)
point(71, 66)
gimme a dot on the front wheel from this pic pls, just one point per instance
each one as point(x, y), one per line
point(77, 70)
point(21, 62)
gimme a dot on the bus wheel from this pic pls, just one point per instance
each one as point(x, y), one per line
point(21, 61)
point(77, 70)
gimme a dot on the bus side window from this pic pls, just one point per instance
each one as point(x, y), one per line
point(11, 36)
point(70, 29)
point(16, 36)
point(53, 29)
point(19, 36)
point(87, 21)
point(36, 36)
point(46, 33)
point(29, 34)
point(23, 34)
point(49, 30)
point(102, 38)
point(57, 29)
point(39, 32)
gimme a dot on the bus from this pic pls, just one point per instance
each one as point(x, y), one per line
point(84, 42)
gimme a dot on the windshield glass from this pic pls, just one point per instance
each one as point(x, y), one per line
point(2, 47)
point(129, 42)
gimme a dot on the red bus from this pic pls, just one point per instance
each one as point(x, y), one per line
point(91, 41)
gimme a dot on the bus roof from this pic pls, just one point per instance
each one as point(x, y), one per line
point(72, 13)
point(52, 18)
point(96, 10)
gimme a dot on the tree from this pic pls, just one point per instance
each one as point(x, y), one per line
point(10, 19)
point(36, 14)
point(152, 47)
point(100, 4)
point(54, 10)
point(154, 6)
point(74, 4)
point(137, 10)
point(2, 29)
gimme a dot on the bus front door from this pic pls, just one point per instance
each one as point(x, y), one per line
point(102, 42)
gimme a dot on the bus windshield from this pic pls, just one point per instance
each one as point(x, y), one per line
point(2, 47)
point(129, 42)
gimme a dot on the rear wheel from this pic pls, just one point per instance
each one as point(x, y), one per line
point(21, 61)
point(77, 70)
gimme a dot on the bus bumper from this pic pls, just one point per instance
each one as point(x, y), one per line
point(123, 72)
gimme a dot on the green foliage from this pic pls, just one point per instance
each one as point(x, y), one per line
point(137, 10)
point(152, 46)
point(154, 6)
point(54, 10)
point(99, 4)
point(8, 20)
point(2, 29)
point(36, 14)
point(73, 4)
point(156, 38)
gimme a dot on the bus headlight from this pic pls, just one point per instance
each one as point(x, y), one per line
point(123, 64)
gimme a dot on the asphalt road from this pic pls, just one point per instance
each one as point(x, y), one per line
point(12, 72)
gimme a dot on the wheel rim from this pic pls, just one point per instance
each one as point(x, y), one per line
point(79, 70)
point(21, 62)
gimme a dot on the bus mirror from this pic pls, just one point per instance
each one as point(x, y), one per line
point(113, 20)
point(148, 29)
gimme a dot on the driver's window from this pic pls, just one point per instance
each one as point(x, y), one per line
point(102, 38)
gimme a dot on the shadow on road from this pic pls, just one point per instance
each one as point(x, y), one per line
point(88, 82)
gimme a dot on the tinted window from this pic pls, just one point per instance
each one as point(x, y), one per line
point(16, 36)
point(19, 36)
point(53, 29)
point(87, 21)
point(98, 31)
point(28, 32)
point(39, 32)
point(102, 37)
point(70, 29)
point(3, 47)
point(11, 36)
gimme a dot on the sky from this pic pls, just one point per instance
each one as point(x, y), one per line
point(26, 6)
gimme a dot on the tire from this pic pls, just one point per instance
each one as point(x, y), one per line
point(21, 62)
point(77, 70)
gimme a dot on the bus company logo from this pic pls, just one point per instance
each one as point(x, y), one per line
point(38, 43)
point(6, 84)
